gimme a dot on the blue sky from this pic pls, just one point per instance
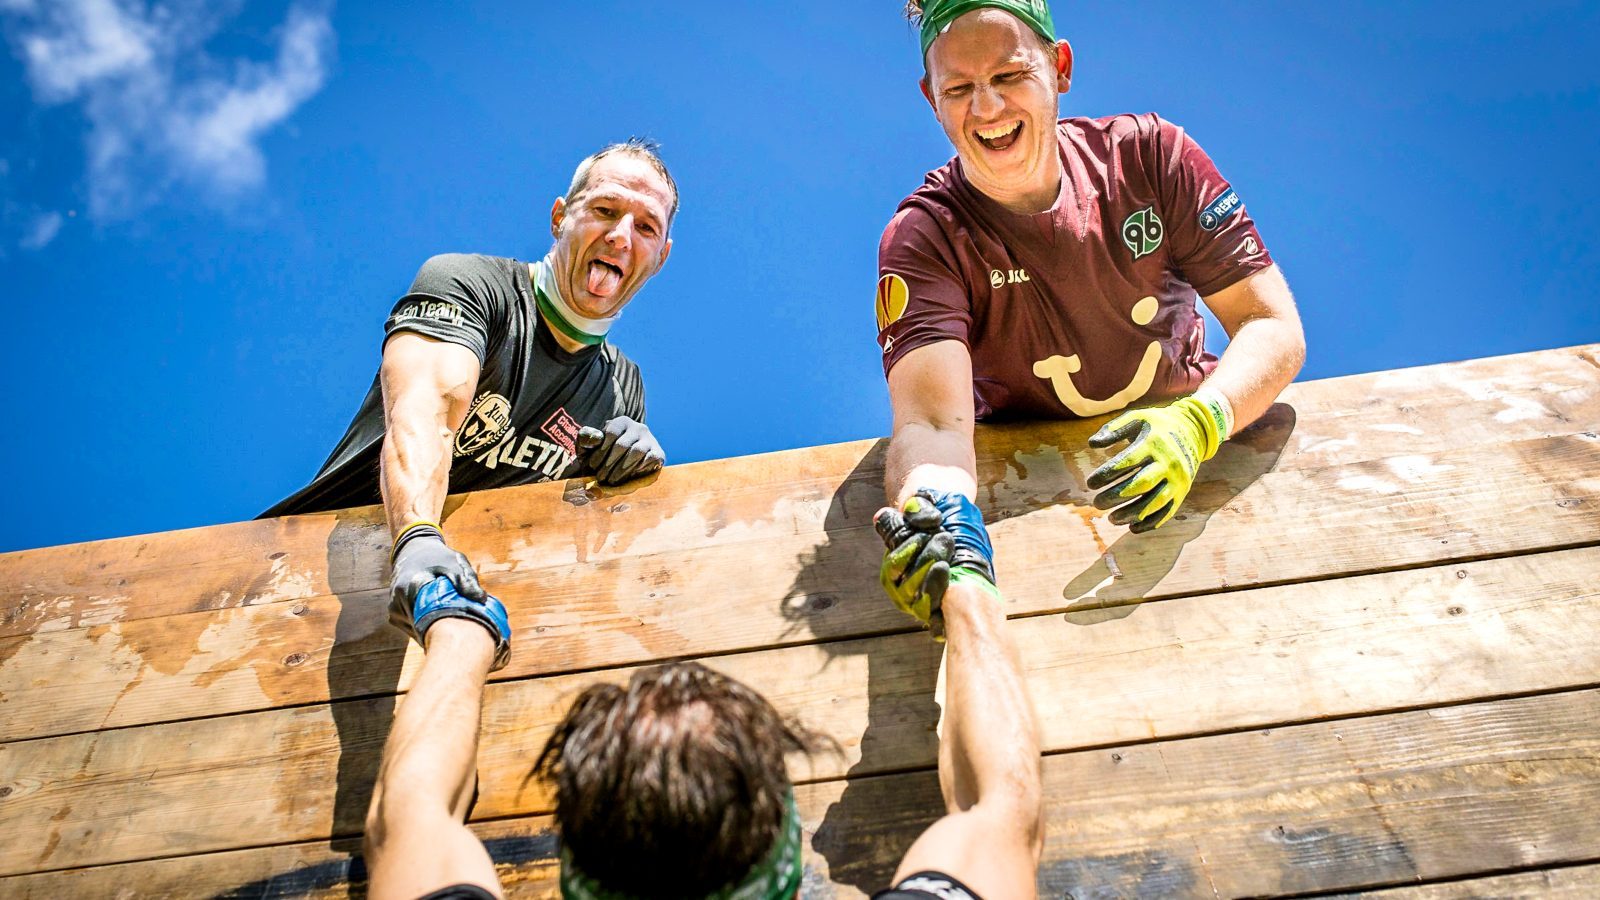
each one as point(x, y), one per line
point(207, 209)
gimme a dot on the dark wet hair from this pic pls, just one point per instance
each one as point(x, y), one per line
point(673, 786)
point(638, 147)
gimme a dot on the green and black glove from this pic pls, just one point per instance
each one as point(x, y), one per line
point(1166, 445)
point(935, 535)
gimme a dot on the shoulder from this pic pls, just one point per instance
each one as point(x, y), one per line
point(1125, 131)
point(623, 369)
point(929, 215)
point(465, 268)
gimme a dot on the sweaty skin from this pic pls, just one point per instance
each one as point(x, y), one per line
point(1058, 370)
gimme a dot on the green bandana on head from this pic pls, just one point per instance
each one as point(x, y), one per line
point(776, 876)
point(938, 14)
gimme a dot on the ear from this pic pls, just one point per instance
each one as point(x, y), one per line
point(666, 251)
point(1063, 66)
point(558, 212)
point(927, 94)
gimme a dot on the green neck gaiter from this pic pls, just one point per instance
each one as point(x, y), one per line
point(938, 14)
point(776, 876)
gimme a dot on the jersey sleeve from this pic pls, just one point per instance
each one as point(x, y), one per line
point(921, 298)
point(456, 297)
point(628, 388)
point(1214, 242)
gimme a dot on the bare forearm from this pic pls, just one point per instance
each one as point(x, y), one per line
point(1266, 344)
point(1261, 360)
point(990, 730)
point(926, 455)
point(415, 471)
point(429, 759)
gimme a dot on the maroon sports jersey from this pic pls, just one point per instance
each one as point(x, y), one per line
point(1089, 306)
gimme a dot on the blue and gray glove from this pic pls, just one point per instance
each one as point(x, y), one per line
point(432, 582)
point(935, 532)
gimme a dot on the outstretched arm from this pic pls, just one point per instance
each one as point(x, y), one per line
point(427, 389)
point(992, 833)
point(930, 390)
point(416, 841)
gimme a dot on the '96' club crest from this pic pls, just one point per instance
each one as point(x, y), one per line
point(1143, 231)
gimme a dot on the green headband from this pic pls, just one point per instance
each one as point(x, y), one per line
point(938, 14)
point(775, 876)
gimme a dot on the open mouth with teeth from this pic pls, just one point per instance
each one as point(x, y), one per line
point(603, 278)
point(999, 137)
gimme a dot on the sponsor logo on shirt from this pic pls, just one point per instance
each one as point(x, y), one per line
point(486, 422)
point(1218, 210)
point(563, 429)
point(892, 298)
point(999, 278)
point(1250, 247)
point(437, 310)
point(1143, 231)
point(547, 459)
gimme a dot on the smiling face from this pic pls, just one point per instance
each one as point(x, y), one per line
point(994, 89)
point(613, 236)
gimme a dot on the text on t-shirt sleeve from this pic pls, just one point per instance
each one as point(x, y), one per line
point(1213, 241)
point(456, 297)
point(920, 299)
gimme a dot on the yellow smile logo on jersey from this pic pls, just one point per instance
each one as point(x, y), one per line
point(892, 297)
point(1058, 370)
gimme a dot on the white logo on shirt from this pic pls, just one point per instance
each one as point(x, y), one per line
point(1250, 247)
point(999, 278)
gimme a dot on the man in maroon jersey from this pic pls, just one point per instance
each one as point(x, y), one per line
point(1051, 270)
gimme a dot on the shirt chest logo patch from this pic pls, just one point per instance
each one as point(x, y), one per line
point(563, 429)
point(999, 278)
point(1143, 231)
point(486, 422)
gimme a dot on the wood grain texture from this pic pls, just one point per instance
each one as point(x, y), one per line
point(1325, 522)
point(724, 502)
point(1323, 807)
point(1571, 883)
point(1184, 666)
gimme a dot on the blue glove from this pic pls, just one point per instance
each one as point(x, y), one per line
point(962, 519)
point(937, 534)
point(438, 599)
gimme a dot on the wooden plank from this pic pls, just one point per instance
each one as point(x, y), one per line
point(725, 502)
point(1430, 795)
point(1325, 522)
point(1570, 883)
point(1185, 666)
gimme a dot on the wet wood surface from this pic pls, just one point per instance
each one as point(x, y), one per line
point(1423, 540)
point(1375, 801)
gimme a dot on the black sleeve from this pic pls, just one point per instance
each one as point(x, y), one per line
point(456, 297)
point(628, 386)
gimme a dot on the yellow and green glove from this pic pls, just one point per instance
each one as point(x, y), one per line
point(1149, 480)
point(937, 537)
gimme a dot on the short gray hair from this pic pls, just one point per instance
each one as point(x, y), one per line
point(638, 147)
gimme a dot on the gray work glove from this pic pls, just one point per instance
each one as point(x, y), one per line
point(621, 451)
point(420, 556)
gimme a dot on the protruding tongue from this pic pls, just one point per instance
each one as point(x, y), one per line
point(603, 279)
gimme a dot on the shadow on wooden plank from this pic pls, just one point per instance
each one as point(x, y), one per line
point(1104, 592)
point(366, 657)
point(847, 551)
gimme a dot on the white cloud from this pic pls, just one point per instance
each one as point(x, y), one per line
point(42, 231)
point(161, 111)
